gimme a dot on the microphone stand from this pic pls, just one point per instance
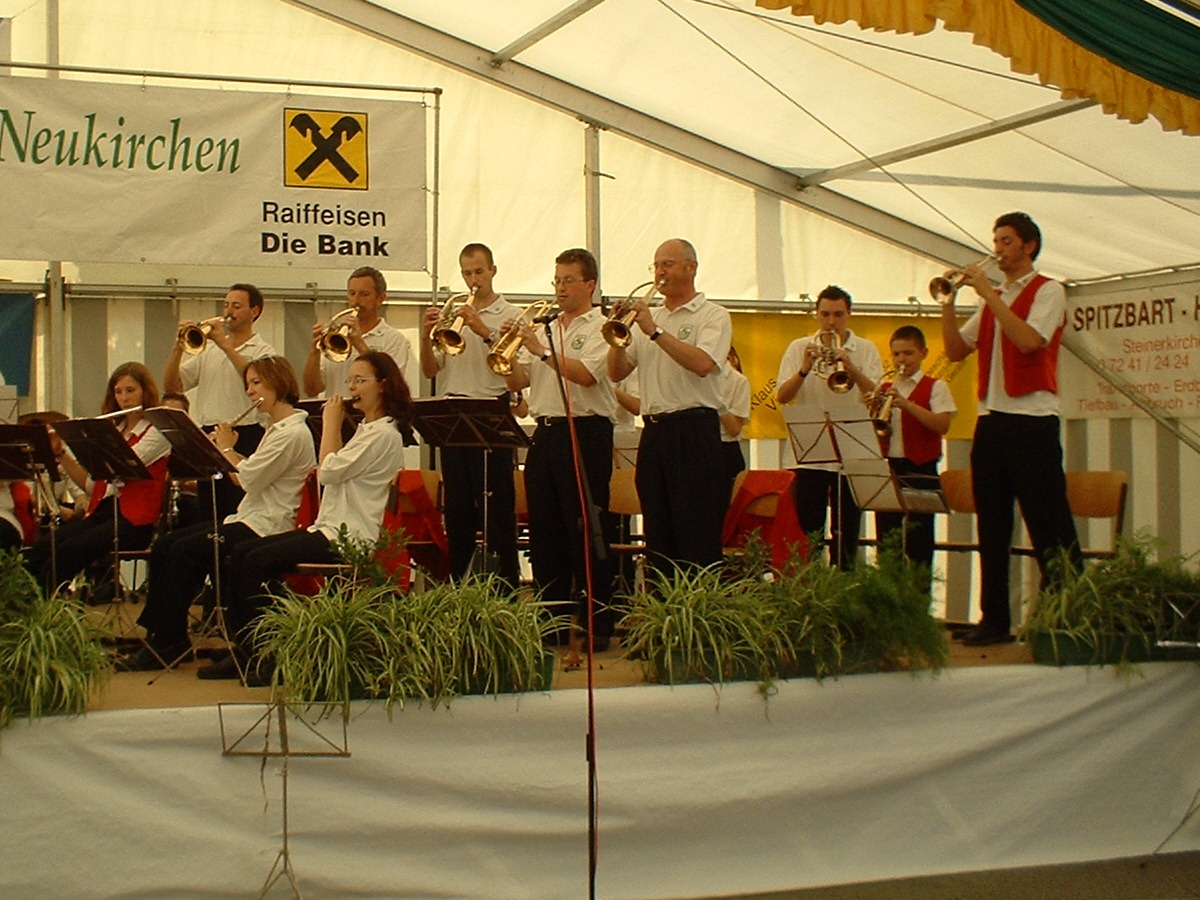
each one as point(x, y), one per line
point(590, 524)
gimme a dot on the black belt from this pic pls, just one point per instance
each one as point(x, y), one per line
point(695, 412)
point(549, 421)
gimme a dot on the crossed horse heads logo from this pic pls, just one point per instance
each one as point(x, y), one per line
point(338, 147)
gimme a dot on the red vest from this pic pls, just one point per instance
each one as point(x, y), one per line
point(1024, 373)
point(23, 510)
point(920, 444)
point(141, 501)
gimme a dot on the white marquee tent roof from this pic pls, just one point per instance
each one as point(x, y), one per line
point(785, 108)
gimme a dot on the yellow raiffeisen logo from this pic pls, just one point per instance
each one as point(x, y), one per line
point(325, 149)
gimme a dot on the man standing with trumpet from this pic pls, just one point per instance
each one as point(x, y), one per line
point(677, 349)
point(457, 356)
point(1017, 451)
point(361, 327)
point(217, 353)
point(564, 566)
point(843, 369)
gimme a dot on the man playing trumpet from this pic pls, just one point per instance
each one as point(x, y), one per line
point(217, 373)
point(558, 551)
point(833, 352)
point(917, 409)
point(1017, 451)
point(366, 329)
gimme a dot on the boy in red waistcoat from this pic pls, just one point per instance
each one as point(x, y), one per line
point(1017, 450)
point(920, 415)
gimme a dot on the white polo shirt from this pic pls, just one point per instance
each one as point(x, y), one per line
point(273, 476)
point(580, 340)
point(467, 374)
point(356, 480)
point(665, 385)
point(384, 338)
point(1049, 311)
point(735, 398)
point(221, 390)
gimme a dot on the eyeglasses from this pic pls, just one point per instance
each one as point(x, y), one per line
point(567, 282)
point(667, 264)
point(357, 380)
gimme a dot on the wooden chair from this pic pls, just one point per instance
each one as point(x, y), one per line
point(1090, 494)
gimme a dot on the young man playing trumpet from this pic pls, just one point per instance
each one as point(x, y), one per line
point(843, 368)
point(913, 410)
point(564, 563)
point(466, 374)
point(1017, 452)
point(217, 372)
point(366, 329)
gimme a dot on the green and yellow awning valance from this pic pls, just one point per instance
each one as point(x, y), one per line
point(1135, 57)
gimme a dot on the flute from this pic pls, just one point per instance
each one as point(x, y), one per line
point(251, 408)
point(117, 413)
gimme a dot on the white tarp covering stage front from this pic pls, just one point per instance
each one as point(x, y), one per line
point(866, 778)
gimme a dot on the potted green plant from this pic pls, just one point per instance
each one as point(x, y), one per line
point(1111, 612)
point(51, 655)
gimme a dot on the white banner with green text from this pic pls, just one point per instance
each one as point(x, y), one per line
point(139, 173)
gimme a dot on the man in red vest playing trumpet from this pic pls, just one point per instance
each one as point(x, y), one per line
point(1017, 450)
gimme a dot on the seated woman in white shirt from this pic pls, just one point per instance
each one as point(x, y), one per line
point(272, 478)
point(356, 479)
point(83, 541)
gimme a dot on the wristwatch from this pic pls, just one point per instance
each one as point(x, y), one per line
point(546, 354)
point(657, 334)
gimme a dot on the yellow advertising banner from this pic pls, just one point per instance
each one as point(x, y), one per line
point(761, 339)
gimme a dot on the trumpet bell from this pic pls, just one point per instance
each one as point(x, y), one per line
point(617, 328)
point(943, 289)
point(335, 343)
point(616, 332)
point(195, 337)
point(504, 350)
point(839, 381)
point(447, 334)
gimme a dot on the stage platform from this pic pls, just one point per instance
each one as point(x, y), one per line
point(703, 793)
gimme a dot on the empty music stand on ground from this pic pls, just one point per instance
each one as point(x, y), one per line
point(470, 422)
point(26, 455)
point(98, 446)
point(194, 455)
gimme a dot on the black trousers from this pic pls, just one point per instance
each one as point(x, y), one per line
point(180, 560)
point(462, 480)
point(556, 542)
point(1015, 457)
point(81, 542)
point(256, 569)
point(814, 491)
point(918, 527)
point(10, 538)
point(733, 462)
point(682, 488)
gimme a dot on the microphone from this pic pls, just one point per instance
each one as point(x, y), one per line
point(547, 318)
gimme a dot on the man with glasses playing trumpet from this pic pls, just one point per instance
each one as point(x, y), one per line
point(677, 350)
point(455, 344)
point(829, 372)
point(1016, 453)
point(352, 332)
point(557, 549)
point(211, 356)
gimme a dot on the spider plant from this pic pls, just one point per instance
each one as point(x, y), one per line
point(1110, 612)
point(51, 656)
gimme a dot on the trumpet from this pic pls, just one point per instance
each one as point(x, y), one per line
point(616, 328)
point(880, 404)
point(943, 289)
point(447, 333)
point(195, 337)
point(334, 342)
point(828, 366)
point(505, 347)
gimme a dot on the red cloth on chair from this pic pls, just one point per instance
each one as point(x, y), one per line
point(422, 522)
point(23, 509)
point(780, 532)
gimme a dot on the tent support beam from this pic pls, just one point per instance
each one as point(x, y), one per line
point(945, 142)
point(547, 28)
point(445, 49)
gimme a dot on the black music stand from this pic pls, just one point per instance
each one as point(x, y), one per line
point(26, 455)
point(98, 446)
point(194, 455)
point(471, 422)
point(841, 442)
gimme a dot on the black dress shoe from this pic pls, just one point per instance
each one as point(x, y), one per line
point(985, 637)
point(223, 669)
